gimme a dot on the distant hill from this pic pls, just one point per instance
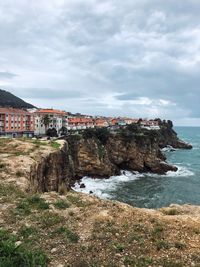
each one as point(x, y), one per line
point(9, 100)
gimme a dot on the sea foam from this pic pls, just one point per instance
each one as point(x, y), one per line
point(106, 188)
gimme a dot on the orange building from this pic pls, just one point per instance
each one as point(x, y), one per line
point(16, 122)
point(101, 123)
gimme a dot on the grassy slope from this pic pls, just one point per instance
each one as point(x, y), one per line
point(80, 230)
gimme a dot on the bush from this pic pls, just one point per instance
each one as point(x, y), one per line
point(12, 255)
point(71, 236)
point(102, 134)
point(52, 133)
point(61, 204)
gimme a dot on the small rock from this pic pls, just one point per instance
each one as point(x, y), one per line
point(53, 250)
point(82, 185)
point(18, 243)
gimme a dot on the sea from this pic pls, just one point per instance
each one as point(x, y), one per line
point(152, 190)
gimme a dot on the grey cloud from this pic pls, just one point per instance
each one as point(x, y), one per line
point(7, 75)
point(99, 55)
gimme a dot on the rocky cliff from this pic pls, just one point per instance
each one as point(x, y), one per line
point(41, 167)
point(168, 137)
point(99, 153)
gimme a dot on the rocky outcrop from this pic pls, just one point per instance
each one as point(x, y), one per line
point(104, 155)
point(168, 137)
point(52, 172)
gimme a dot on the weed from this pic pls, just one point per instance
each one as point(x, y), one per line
point(119, 247)
point(22, 209)
point(162, 244)
point(134, 237)
point(49, 219)
point(179, 245)
point(61, 204)
point(71, 236)
point(12, 255)
point(38, 202)
point(55, 145)
point(157, 231)
point(26, 231)
point(138, 262)
point(169, 263)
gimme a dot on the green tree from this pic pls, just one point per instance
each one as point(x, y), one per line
point(46, 121)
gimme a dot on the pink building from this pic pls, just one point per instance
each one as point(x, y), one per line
point(16, 123)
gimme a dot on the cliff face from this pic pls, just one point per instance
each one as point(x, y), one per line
point(93, 158)
point(167, 136)
point(101, 154)
point(53, 172)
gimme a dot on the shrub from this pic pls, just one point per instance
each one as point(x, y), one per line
point(26, 231)
point(119, 247)
point(61, 204)
point(71, 236)
point(15, 256)
point(102, 134)
point(162, 244)
point(49, 219)
point(55, 145)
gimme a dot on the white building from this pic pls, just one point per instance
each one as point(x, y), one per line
point(54, 119)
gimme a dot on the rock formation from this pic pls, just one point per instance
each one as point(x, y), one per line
point(102, 155)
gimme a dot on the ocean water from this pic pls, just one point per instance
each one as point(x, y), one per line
point(155, 191)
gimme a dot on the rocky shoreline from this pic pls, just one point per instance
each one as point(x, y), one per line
point(97, 154)
point(102, 154)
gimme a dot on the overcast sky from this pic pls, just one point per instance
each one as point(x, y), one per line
point(138, 58)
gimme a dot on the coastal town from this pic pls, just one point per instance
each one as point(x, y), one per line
point(16, 122)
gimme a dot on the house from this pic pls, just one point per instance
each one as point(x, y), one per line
point(16, 123)
point(130, 121)
point(80, 123)
point(101, 123)
point(150, 124)
point(55, 119)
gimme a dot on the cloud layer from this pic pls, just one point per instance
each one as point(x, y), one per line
point(137, 58)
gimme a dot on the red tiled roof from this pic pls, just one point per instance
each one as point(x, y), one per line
point(50, 111)
point(80, 120)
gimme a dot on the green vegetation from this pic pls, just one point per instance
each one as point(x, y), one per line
point(25, 206)
point(119, 247)
point(55, 145)
point(48, 219)
point(27, 231)
point(61, 204)
point(14, 255)
point(69, 234)
point(162, 244)
point(102, 134)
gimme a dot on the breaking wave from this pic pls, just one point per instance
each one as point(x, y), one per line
point(106, 188)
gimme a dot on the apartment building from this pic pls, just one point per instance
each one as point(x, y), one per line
point(101, 123)
point(16, 123)
point(80, 123)
point(48, 119)
point(150, 125)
